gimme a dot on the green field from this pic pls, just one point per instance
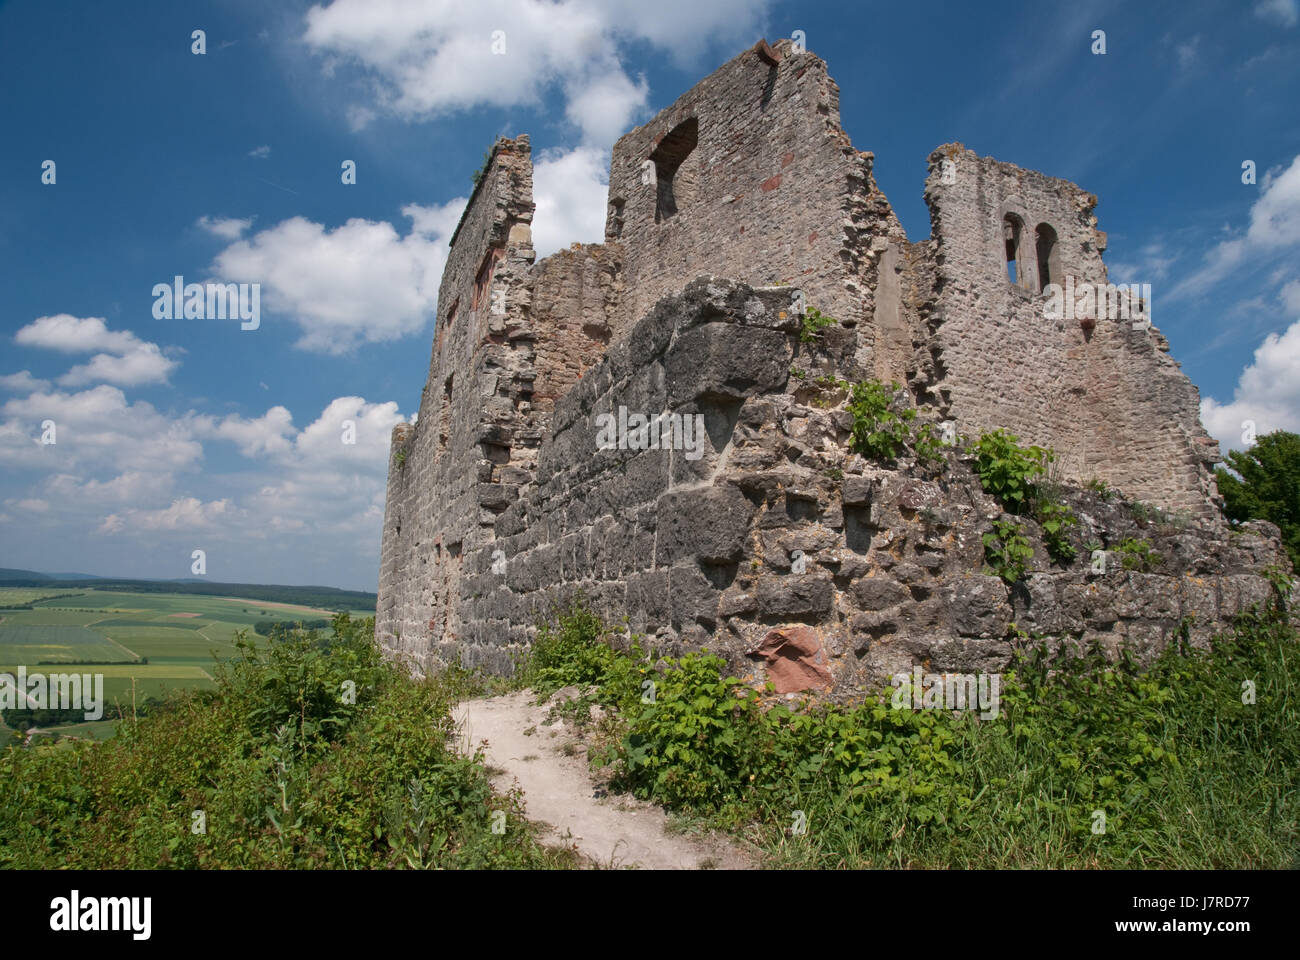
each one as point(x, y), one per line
point(144, 644)
point(21, 596)
point(35, 643)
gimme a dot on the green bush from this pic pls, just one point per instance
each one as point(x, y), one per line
point(1267, 486)
point(1007, 470)
point(303, 756)
point(1137, 555)
point(1057, 520)
point(812, 325)
point(878, 432)
point(1178, 764)
point(1012, 473)
point(1007, 550)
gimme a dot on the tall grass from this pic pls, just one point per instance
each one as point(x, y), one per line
point(1089, 763)
point(311, 752)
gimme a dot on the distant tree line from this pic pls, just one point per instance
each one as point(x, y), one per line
point(27, 604)
point(268, 627)
point(324, 598)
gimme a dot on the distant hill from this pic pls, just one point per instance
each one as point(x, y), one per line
point(324, 598)
point(9, 573)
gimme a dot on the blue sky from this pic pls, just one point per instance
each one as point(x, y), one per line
point(176, 435)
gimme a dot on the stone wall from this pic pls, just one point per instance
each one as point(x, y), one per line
point(776, 529)
point(776, 537)
point(1107, 398)
point(767, 189)
point(448, 472)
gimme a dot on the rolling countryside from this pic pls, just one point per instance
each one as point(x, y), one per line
point(143, 644)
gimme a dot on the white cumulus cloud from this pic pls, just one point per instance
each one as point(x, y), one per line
point(570, 190)
point(126, 360)
point(359, 283)
point(446, 55)
point(1285, 12)
point(1267, 393)
point(23, 382)
point(227, 228)
point(70, 334)
point(1274, 229)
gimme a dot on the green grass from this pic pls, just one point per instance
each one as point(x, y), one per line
point(1186, 774)
point(30, 644)
point(288, 771)
point(180, 647)
point(171, 623)
point(126, 628)
point(90, 730)
point(49, 617)
point(18, 596)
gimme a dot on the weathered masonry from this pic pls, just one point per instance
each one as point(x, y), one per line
point(728, 213)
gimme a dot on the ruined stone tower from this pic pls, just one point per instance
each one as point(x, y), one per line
point(501, 501)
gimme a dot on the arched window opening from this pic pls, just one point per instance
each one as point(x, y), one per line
point(1048, 264)
point(675, 178)
point(1012, 229)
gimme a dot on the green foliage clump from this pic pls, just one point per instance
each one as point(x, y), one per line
point(1268, 488)
point(878, 432)
point(1007, 470)
point(277, 628)
point(1190, 763)
point(304, 756)
point(1013, 473)
point(1007, 550)
point(1057, 520)
point(813, 323)
point(574, 649)
point(1102, 489)
point(928, 446)
point(571, 650)
point(1137, 555)
point(696, 742)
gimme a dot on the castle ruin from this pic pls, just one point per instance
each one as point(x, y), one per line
point(729, 214)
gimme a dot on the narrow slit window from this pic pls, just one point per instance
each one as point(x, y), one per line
point(444, 413)
point(1045, 244)
point(1012, 229)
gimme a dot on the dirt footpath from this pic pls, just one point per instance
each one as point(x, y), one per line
point(550, 766)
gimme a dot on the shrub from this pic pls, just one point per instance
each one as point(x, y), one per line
point(813, 323)
point(1137, 555)
point(878, 432)
point(1184, 772)
point(1266, 486)
point(301, 757)
point(1057, 520)
point(1007, 470)
point(1007, 550)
